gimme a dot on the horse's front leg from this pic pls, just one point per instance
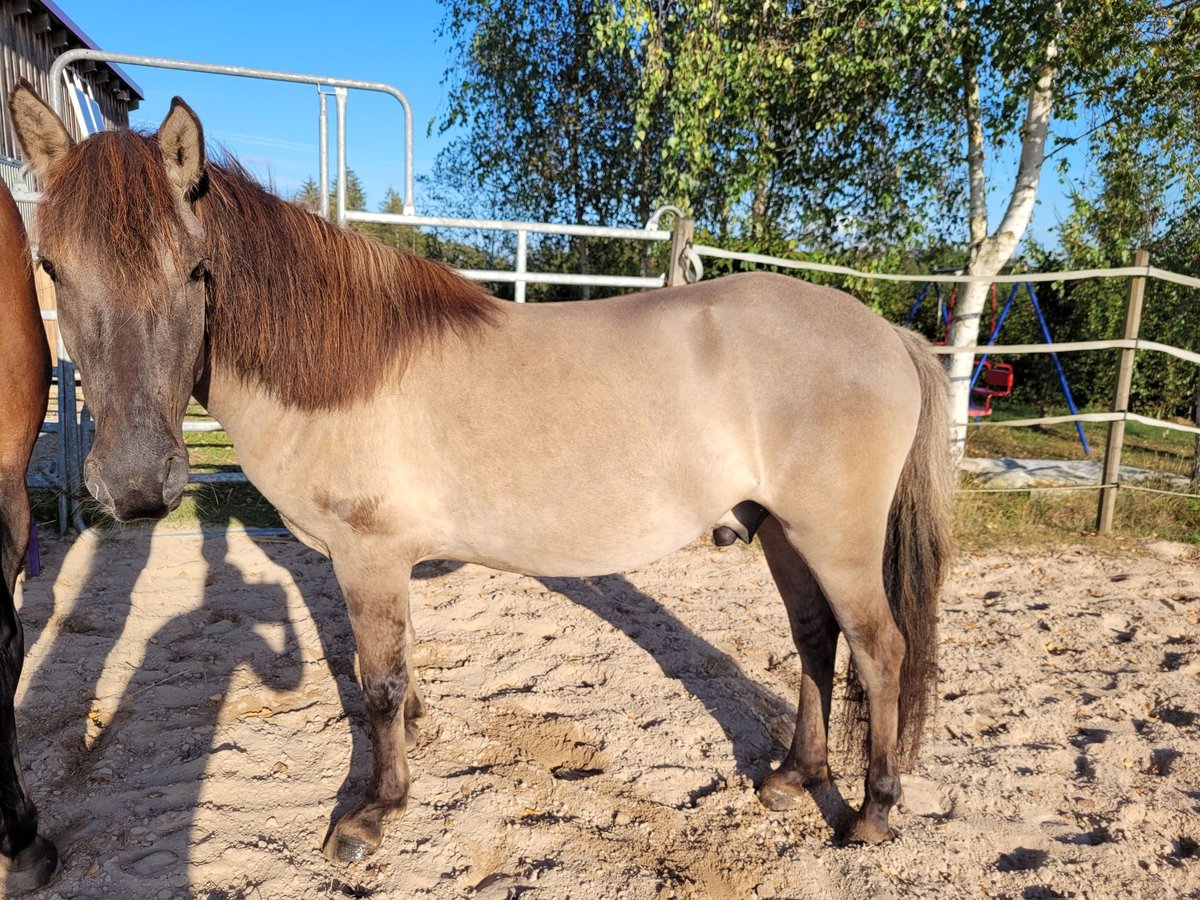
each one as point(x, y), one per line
point(378, 605)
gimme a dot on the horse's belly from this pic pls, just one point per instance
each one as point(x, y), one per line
point(590, 514)
point(573, 553)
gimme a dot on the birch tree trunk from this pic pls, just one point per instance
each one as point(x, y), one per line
point(989, 252)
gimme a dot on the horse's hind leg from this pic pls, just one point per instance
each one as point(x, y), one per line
point(378, 609)
point(846, 558)
point(414, 703)
point(815, 632)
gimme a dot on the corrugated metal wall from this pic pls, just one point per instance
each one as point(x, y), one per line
point(30, 40)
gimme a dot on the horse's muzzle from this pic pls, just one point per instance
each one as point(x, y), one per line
point(129, 493)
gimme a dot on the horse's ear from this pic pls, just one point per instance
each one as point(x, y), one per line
point(42, 134)
point(181, 139)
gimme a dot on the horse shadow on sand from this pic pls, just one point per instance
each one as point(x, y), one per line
point(117, 793)
point(756, 721)
point(83, 749)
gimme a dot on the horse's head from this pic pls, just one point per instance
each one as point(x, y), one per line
point(118, 233)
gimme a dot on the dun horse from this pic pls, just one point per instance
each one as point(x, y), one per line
point(394, 412)
point(27, 860)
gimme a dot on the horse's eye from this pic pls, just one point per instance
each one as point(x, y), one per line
point(200, 271)
point(48, 268)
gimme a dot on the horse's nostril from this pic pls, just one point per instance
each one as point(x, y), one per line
point(95, 484)
point(175, 478)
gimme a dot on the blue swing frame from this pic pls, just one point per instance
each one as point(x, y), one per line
point(979, 367)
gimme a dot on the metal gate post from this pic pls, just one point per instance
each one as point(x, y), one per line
point(69, 439)
point(522, 265)
point(183, 65)
point(340, 94)
point(323, 154)
point(1116, 430)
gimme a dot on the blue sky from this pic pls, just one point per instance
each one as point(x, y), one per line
point(270, 126)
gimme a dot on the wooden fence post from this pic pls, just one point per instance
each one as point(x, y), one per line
point(1194, 481)
point(1116, 430)
point(681, 238)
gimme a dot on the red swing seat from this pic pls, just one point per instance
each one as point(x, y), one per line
point(996, 380)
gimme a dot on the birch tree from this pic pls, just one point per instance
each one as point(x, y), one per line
point(992, 249)
point(901, 117)
point(869, 125)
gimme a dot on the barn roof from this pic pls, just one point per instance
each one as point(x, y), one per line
point(56, 11)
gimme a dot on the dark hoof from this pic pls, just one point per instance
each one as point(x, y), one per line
point(778, 798)
point(34, 867)
point(866, 832)
point(786, 788)
point(782, 789)
point(344, 849)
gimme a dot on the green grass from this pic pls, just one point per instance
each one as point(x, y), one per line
point(1030, 517)
point(219, 505)
point(1146, 447)
point(1043, 518)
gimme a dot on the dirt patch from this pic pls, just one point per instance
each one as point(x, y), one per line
point(190, 722)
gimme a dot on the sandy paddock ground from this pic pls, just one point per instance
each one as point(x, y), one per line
point(189, 723)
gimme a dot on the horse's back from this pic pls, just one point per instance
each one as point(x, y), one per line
point(754, 353)
point(736, 332)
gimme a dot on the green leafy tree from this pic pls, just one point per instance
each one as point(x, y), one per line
point(547, 127)
point(886, 113)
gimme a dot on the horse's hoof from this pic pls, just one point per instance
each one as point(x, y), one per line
point(778, 797)
point(782, 789)
point(785, 788)
point(343, 849)
point(34, 867)
point(863, 831)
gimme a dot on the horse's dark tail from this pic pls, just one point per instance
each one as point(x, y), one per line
point(916, 555)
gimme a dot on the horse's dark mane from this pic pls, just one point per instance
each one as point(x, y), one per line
point(317, 314)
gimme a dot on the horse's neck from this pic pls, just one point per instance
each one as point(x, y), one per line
point(231, 400)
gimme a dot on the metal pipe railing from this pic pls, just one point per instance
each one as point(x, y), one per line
point(589, 280)
point(601, 231)
point(522, 266)
point(323, 153)
point(183, 65)
point(340, 96)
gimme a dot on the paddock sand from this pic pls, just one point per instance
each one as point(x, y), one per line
point(189, 717)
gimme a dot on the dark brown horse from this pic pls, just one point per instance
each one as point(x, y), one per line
point(26, 859)
point(394, 412)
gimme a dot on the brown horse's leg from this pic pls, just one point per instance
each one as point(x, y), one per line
point(27, 861)
point(378, 615)
point(815, 633)
point(878, 650)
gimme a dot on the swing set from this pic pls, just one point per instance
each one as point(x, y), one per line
point(994, 380)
